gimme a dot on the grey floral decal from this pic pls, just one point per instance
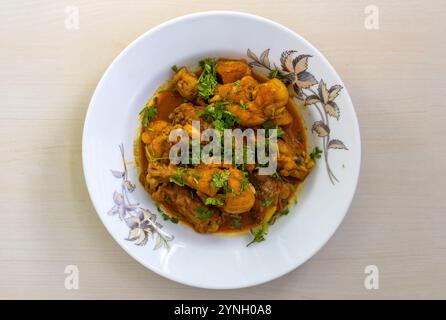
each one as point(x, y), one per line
point(301, 85)
point(141, 222)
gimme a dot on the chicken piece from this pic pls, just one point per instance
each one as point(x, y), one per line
point(185, 113)
point(249, 117)
point(293, 163)
point(187, 206)
point(271, 92)
point(200, 178)
point(270, 99)
point(158, 173)
point(283, 118)
point(269, 193)
point(242, 197)
point(154, 129)
point(239, 194)
point(161, 171)
point(186, 83)
point(236, 92)
point(156, 138)
point(232, 70)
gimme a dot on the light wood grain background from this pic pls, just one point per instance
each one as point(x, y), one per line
point(395, 76)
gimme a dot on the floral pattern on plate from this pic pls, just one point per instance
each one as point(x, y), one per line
point(293, 72)
point(141, 222)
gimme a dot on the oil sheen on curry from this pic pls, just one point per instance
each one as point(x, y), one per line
point(221, 198)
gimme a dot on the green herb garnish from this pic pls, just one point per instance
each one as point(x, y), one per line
point(177, 178)
point(268, 124)
point(316, 154)
point(280, 132)
point(243, 105)
point(214, 201)
point(244, 184)
point(220, 180)
point(166, 217)
point(236, 222)
point(208, 78)
point(268, 201)
point(174, 68)
point(237, 86)
point(148, 113)
point(276, 176)
point(259, 235)
point(217, 114)
point(278, 214)
point(274, 73)
point(204, 213)
point(284, 212)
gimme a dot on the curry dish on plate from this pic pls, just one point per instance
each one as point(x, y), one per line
point(222, 198)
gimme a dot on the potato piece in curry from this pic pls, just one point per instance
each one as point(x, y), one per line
point(217, 198)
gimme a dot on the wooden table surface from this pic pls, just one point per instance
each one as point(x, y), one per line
point(395, 75)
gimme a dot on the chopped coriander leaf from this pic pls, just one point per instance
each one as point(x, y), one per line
point(267, 124)
point(268, 201)
point(278, 214)
point(217, 114)
point(229, 119)
point(220, 180)
point(208, 78)
point(239, 166)
point(204, 213)
point(174, 68)
point(263, 165)
point(274, 73)
point(169, 218)
point(221, 103)
point(148, 113)
point(237, 83)
point(259, 235)
point(236, 222)
point(316, 154)
point(219, 125)
point(173, 220)
point(276, 176)
point(158, 207)
point(214, 201)
point(177, 178)
point(280, 132)
point(244, 184)
point(284, 212)
point(243, 105)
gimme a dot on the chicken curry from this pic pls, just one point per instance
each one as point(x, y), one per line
point(227, 197)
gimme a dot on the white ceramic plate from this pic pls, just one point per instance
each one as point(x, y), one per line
point(211, 261)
